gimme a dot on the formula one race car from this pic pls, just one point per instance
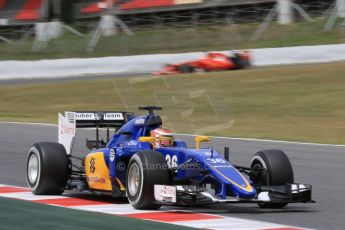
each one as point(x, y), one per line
point(211, 62)
point(144, 162)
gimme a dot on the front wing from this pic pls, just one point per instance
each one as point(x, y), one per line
point(193, 195)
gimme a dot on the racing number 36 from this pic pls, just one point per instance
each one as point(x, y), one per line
point(171, 161)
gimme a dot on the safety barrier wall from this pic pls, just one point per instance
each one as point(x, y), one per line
point(149, 63)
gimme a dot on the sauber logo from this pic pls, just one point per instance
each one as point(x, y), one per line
point(92, 165)
point(85, 116)
point(97, 116)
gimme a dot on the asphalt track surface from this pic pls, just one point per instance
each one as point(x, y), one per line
point(319, 165)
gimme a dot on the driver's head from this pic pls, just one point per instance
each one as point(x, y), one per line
point(163, 137)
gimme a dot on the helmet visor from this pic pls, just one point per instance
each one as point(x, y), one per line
point(166, 141)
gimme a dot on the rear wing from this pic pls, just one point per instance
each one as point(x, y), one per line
point(69, 123)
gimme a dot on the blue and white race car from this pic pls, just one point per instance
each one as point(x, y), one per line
point(144, 162)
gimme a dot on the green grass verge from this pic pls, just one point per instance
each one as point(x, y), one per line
point(184, 39)
point(15, 214)
point(298, 103)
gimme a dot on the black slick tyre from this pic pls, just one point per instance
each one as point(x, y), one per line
point(279, 171)
point(145, 169)
point(47, 168)
point(186, 68)
point(239, 63)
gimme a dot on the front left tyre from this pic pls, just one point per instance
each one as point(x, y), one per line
point(278, 171)
point(47, 168)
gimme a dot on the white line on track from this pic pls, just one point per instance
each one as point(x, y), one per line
point(215, 137)
point(29, 196)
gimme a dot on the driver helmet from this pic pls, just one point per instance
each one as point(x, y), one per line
point(163, 137)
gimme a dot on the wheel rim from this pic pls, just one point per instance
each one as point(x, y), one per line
point(259, 163)
point(133, 179)
point(33, 168)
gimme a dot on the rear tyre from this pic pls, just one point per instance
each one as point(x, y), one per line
point(47, 168)
point(145, 169)
point(239, 63)
point(279, 171)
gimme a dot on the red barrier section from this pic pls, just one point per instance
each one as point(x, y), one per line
point(93, 8)
point(139, 4)
point(134, 4)
point(30, 10)
point(2, 4)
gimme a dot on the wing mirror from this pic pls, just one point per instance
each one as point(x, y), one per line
point(146, 139)
point(199, 139)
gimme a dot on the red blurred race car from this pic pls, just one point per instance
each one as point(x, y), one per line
point(213, 61)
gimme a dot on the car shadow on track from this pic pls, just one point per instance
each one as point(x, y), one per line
point(217, 209)
point(251, 209)
point(97, 197)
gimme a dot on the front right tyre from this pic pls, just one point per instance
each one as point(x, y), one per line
point(145, 169)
